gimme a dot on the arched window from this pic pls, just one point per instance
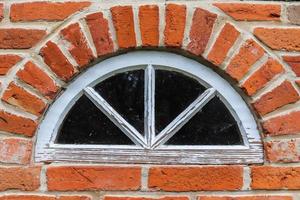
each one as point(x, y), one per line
point(149, 107)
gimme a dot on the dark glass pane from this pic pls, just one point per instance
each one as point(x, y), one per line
point(86, 124)
point(125, 93)
point(174, 92)
point(214, 125)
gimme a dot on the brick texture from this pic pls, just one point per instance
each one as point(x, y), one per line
point(224, 42)
point(79, 47)
point(279, 38)
point(1, 11)
point(34, 11)
point(42, 197)
point(240, 64)
point(149, 22)
point(293, 13)
point(260, 197)
point(18, 38)
point(282, 125)
point(202, 25)
point(122, 17)
point(280, 96)
point(268, 177)
point(19, 97)
point(195, 178)
point(262, 76)
point(146, 198)
point(57, 62)
point(251, 12)
point(37, 78)
point(175, 23)
point(99, 30)
point(7, 62)
point(93, 178)
point(15, 150)
point(20, 178)
point(294, 63)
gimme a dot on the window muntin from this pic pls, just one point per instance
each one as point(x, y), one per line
point(248, 152)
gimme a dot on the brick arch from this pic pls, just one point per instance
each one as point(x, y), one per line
point(200, 33)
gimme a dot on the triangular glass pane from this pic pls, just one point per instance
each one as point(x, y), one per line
point(174, 92)
point(125, 93)
point(213, 125)
point(86, 124)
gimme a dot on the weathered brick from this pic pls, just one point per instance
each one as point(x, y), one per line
point(149, 22)
point(293, 13)
point(279, 38)
point(58, 63)
point(122, 17)
point(283, 125)
point(224, 42)
point(258, 197)
point(1, 12)
point(38, 79)
point(99, 30)
point(294, 63)
point(282, 151)
point(262, 76)
point(175, 23)
point(93, 178)
point(19, 97)
point(42, 197)
point(16, 124)
point(240, 64)
point(251, 12)
point(202, 25)
point(195, 178)
point(44, 10)
point(18, 38)
point(79, 48)
point(269, 177)
point(7, 62)
point(19, 178)
point(15, 150)
point(145, 198)
point(280, 96)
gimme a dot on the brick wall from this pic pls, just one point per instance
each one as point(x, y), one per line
point(44, 45)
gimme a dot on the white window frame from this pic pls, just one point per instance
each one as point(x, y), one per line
point(157, 153)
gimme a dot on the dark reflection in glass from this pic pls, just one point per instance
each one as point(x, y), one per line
point(86, 124)
point(174, 92)
point(214, 125)
point(125, 93)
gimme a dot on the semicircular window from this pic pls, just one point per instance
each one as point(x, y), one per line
point(153, 113)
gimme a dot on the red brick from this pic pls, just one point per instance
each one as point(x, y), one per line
point(282, 151)
point(122, 17)
point(42, 197)
point(18, 38)
point(251, 12)
point(240, 64)
point(283, 125)
point(195, 178)
point(16, 124)
point(262, 76)
point(99, 30)
point(58, 63)
point(44, 10)
point(149, 22)
point(268, 177)
point(224, 42)
point(202, 25)
point(280, 96)
point(1, 12)
point(20, 178)
point(19, 97)
point(79, 47)
point(260, 197)
point(145, 198)
point(38, 79)
point(175, 24)
point(279, 38)
point(7, 62)
point(294, 63)
point(93, 178)
point(72, 198)
point(15, 150)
